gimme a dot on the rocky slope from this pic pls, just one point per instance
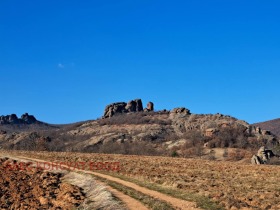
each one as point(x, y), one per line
point(271, 125)
point(129, 129)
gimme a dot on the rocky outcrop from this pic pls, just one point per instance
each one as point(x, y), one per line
point(13, 119)
point(2, 132)
point(122, 107)
point(181, 110)
point(150, 107)
point(134, 106)
point(29, 119)
point(263, 156)
point(114, 108)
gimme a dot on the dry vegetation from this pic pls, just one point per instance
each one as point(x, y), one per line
point(233, 185)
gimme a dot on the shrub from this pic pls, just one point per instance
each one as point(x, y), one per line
point(136, 118)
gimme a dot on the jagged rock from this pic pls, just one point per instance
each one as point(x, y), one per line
point(13, 119)
point(210, 132)
point(150, 106)
point(131, 106)
point(134, 106)
point(29, 119)
point(114, 108)
point(122, 107)
point(181, 110)
point(139, 105)
point(256, 160)
point(263, 156)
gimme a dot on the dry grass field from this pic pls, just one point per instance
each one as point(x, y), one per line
point(233, 185)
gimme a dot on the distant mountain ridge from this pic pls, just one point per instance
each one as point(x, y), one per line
point(271, 125)
point(14, 120)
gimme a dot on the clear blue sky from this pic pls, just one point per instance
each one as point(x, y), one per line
point(64, 61)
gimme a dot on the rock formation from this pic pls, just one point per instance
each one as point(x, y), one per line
point(181, 110)
point(263, 156)
point(13, 119)
point(29, 119)
point(122, 107)
point(134, 106)
point(2, 132)
point(150, 107)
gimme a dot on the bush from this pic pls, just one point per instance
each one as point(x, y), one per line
point(136, 118)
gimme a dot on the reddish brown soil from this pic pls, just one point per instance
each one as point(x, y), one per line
point(35, 189)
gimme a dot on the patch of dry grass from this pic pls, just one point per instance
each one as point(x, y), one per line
point(97, 196)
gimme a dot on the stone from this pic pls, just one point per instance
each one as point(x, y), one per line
point(13, 119)
point(139, 105)
point(255, 160)
point(181, 110)
point(29, 119)
point(210, 132)
point(150, 106)
point(131, 106)
point(114, 108)
point(122, 107)
point(263, 156)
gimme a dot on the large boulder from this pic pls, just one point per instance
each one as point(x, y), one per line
point(131, 106)
point(134, 106)
point(181, 110)
point(139, 105)
point(13, 119)
point(263, 156)
point(122, 107)
point(150, 106)
point(114, 108)
point(29, 119)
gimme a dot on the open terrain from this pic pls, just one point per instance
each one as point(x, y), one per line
point(209, 184)
point(163, 160)
point(26, 185)
point(35, 189)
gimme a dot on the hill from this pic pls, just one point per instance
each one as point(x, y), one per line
point(271, 125)
point(128, 128)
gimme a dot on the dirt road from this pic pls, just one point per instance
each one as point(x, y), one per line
point(175, 202)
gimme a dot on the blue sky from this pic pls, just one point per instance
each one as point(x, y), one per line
point(64, 61)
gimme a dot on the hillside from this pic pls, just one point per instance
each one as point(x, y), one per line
point(128, 128)
point(271, 125)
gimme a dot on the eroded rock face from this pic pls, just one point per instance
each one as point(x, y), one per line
point(134, 106)
point(181, 110)
point(150, 106)
point(29, 119)
point(139, 105)
point(114, 108)
point(263, 156)
point(122, 107)
point(13, 119)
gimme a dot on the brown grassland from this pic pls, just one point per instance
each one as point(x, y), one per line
point(232, 185)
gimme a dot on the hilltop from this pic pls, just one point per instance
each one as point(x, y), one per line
point(128, 128)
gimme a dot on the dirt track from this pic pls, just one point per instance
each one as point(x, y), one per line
point(176, 203)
